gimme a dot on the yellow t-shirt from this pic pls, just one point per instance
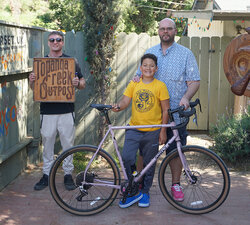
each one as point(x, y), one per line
point(146, 105)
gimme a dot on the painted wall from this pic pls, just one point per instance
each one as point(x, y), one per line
point(198, 27)
point(19, 120)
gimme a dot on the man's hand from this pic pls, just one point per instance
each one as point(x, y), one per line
point(75, 81)
point(136, 79)
point(32, 78)
point(185, 102)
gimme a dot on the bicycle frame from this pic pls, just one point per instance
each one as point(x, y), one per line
point(111, 129)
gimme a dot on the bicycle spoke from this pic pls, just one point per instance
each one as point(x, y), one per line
point(211, 181)
point(85, 199)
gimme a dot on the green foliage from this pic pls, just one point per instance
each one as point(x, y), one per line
point(52, 14)
point(232, 137)
point(142, 16)
point(46, 20)
point(23, 11)
point(68, 14)
point(100, 27)
point(139, 16)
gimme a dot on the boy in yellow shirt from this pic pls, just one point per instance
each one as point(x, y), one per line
point(150, 104)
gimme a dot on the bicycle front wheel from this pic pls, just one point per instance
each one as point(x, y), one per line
point(211, 180)
point(85, 199)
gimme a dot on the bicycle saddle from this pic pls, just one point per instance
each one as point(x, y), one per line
point(101, 107)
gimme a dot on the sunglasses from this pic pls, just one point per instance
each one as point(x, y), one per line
point(53, 39)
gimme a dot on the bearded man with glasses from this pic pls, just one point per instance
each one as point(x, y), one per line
point(177, 68)
point(57, 117)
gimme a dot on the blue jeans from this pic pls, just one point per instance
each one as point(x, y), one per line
point(148, 143)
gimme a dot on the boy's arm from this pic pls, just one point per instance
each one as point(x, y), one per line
point(164, 108)
point(122, 104)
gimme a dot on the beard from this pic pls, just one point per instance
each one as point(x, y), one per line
point(168, 39)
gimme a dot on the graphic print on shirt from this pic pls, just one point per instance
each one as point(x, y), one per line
point(144, 100)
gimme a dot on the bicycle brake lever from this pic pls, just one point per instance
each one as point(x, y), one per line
point(195, 119)
point(200, 106)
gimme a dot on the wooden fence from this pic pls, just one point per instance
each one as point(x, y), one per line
point(19, 114)
point(214, 92)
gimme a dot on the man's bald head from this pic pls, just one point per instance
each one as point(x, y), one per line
point(167, 21)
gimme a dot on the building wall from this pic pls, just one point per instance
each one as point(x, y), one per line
point(198, 28)
point(19, 120)
point(218, 28)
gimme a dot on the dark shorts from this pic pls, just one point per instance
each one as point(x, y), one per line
point(183, 136)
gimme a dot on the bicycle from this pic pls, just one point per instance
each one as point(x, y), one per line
point(205, 178)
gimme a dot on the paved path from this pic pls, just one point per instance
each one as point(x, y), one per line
point(21, 205)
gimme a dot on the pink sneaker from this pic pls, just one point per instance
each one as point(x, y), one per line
point(177, 193)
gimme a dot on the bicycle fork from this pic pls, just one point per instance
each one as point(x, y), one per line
point(186, 168)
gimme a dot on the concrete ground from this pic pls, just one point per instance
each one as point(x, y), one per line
point(21, 205)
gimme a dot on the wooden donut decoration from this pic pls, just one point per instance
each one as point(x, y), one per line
point(236, 64)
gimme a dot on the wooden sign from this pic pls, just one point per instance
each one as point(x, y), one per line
point(236, 64)
point(54, 79)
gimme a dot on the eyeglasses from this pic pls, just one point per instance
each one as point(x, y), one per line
point(162, 29)
point(55, 39)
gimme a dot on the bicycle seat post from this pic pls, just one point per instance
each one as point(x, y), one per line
point(105, 112)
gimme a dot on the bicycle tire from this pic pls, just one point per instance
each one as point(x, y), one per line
point(211, 187)
point(99, 197)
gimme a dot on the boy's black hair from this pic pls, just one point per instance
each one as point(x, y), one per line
point(149, 56)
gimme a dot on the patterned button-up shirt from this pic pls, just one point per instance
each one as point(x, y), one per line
point(175, 67)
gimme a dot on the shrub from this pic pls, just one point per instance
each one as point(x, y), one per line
point(231, 136)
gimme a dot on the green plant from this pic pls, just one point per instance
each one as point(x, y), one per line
point(100, 27)
point(232, 137)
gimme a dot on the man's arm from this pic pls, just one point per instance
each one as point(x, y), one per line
point(164, 107)
point(79, 83)
point(193, 87)
point(122, 104)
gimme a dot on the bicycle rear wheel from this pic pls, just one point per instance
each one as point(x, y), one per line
point(212, 180)
point(93, 199)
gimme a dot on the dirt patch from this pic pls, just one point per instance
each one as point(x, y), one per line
point(200, 139)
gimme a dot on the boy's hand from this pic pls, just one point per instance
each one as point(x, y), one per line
point(115, 108)
point(162, 137)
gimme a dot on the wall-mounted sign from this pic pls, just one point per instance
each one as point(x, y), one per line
point(54, 79)
point(14, 49)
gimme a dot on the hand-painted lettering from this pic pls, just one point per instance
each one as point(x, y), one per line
point(54, 79)
point(7, 116)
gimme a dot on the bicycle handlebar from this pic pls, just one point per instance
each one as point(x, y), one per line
point(180, 110)
point(184, 114)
